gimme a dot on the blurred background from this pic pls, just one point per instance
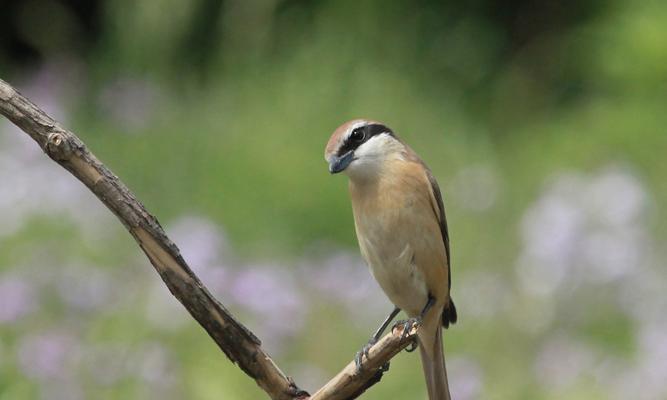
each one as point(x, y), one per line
point(544, 123)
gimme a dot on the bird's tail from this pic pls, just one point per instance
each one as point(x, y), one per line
point(433, 363)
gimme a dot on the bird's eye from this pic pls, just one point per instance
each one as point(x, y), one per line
point(357, 135)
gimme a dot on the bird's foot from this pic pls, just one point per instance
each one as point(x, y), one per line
point(363, 352)
point(413, 346)
point(385, 367)
point(407, 325)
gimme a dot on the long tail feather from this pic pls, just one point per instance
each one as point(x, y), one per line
point(433, 363)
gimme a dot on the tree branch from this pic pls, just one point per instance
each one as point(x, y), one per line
point(236, 341)
point(350, 383)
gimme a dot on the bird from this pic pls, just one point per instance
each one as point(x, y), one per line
point(401, 228)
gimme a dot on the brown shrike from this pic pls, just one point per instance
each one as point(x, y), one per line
point(402, 232)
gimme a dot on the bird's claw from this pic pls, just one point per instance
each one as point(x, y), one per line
point(412, 347)
point(358, 358)
point(385, 367)
point(407, 325)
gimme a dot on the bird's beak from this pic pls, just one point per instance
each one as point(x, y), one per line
point(338, 164)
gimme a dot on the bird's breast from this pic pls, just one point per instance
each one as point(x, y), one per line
point(384, 232)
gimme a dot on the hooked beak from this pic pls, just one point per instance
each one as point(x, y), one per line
point(338, 164)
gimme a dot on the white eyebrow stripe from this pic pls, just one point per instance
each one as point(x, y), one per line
point(353, 127)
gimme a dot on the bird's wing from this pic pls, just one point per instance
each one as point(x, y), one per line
point(439, 210)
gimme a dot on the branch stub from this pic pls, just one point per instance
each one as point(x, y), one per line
point(57, 146)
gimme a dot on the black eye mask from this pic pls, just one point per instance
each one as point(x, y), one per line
point(354, 140)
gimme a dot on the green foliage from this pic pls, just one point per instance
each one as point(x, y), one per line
point(222, 111)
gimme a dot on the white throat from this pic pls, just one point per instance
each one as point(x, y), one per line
point(370, 157)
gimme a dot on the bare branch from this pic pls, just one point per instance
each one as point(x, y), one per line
point(349, 383)
point(236, 341)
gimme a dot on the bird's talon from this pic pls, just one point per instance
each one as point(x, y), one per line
point(358, 358)
point(408, 325)
point(385, 367)
point(413, 346)
point(399, 324)
point(406, 329)
point(368, 346)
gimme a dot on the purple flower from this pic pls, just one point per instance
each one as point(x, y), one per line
point(84, 289)
point(38, 188)
point(345, 279)
point(200, 240)
point(562, 361)
point(465, 377)
point(616, 197)
point(50, 355)
point(17, 298)
point(130, 102)
point(203, 245)
point(653, 355)
point(583, 228)
point(271, 292)
point(53, 86)
point(155, 366)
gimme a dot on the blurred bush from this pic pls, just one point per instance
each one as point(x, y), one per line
point(543, 122)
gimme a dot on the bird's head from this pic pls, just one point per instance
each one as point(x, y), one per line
point(361, 147)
